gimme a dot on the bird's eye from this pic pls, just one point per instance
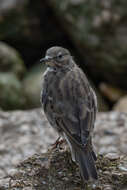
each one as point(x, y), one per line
point(60, 55)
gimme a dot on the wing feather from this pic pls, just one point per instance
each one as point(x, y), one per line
point(77, 118)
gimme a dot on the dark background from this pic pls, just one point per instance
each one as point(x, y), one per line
point(94, 31)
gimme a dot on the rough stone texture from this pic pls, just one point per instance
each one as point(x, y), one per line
point(98, 30)
point(24, 133)
point(110, 134)
point(55, 170)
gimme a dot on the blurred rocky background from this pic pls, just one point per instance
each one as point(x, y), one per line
point(96, 34)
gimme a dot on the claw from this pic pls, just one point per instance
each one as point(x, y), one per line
point(57, 142)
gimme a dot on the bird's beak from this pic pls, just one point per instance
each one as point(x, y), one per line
point(46, 59)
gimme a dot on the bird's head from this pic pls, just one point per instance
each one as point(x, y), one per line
point(57, 57)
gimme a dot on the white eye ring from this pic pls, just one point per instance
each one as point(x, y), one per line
point(60, 55)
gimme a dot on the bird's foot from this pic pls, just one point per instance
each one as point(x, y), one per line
point(57, 142)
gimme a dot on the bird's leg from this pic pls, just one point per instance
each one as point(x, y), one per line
point(57, 142)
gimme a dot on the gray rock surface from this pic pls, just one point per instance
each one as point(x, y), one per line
point(24, 133)
point(55, 170)
point(110, 134)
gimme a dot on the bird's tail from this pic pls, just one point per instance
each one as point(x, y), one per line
point(85, 159)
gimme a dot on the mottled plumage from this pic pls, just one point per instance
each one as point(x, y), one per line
point(70, 106)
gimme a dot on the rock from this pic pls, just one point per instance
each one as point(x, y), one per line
point(32, 85)
point(123, 167)
point(112, 156)
point(55, 170)
point(109, 129)
point(22, 134)
point(121, 105)
point(11, 92)
point(112, 93)
point(26, 134)
point(99, 35)
point(11, 61)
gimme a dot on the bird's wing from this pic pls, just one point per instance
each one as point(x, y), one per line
point(76, 111)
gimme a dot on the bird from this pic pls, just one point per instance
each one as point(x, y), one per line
point(70, 105)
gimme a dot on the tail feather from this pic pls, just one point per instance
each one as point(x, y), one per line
point(86, 164)
point(85, 158)
point(83, 167)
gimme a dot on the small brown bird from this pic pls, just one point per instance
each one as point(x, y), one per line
point(70, 106)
